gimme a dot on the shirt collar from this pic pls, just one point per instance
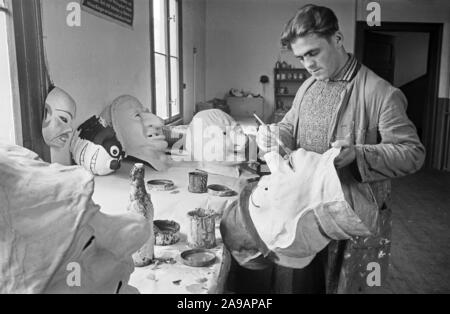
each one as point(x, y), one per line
point(348, 71)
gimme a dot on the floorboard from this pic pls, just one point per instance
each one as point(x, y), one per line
point(420, 257)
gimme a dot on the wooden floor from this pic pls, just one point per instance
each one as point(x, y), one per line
point(420, 260)
point(420, 254)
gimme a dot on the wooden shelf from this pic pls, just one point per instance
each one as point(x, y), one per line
point(285, 95)
point(291, 84)
point(291, 81)
point(292, 70)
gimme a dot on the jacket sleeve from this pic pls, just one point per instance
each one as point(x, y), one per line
point(400, 151)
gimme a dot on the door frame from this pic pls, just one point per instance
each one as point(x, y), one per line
point(32, 73)
point(431, 118)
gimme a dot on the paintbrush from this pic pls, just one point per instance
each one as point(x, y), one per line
point(277, 139)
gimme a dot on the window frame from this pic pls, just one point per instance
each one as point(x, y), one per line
point(179, 117)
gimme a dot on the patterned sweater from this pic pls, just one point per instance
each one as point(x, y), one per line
point(318, 106)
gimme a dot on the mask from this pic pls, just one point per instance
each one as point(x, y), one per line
point(96, 148)
point(53, 237)
point(138, 130)
point(60, 111)
point(304, 202)
point(215, 136)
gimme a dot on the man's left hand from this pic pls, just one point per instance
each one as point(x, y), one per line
point(347, 155)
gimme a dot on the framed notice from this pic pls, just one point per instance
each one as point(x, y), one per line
point(119, 11)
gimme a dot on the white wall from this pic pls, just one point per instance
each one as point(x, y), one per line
point(242, 41)
point(194, 33)
point(98, 61)
point(420, 11)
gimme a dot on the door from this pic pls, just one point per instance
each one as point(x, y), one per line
point(380, 43)
point(379, 55)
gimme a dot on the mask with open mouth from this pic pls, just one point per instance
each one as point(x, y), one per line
point(60, 111)
point(138, 130)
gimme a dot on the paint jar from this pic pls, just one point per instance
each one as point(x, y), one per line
point(202, 233)
point(198, 182)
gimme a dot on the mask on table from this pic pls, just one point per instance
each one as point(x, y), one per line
point(214, 136)
point(138, 130)
point(95, 147)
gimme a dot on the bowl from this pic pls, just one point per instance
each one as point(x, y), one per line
point(198, 258)
point(160, 185)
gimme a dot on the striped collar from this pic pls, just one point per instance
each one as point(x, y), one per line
point(348, 72)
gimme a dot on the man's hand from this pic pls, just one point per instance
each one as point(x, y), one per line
point(347, 155)
point(265, 140)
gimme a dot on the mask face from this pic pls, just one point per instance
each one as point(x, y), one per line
point(139, 131)
point(60, 111)
point(96, 148)
point(215, 136)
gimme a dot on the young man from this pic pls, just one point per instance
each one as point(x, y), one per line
point(344, 104)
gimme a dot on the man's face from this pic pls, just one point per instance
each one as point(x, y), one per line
point(318, 55)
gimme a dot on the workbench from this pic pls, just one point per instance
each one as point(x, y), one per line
point(173, 277)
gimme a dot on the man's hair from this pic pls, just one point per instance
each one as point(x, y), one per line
point(310, 19)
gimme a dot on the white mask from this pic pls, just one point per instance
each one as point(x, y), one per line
point(213, 135)
point(304, 201)
point(60, 111)
point(54, 238)
point(138, 130)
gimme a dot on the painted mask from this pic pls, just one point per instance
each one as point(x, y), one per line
point(60, 111)
point(95, 147)
point(139, 131)
point(53, 237)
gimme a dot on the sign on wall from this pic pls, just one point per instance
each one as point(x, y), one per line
point(120, 11)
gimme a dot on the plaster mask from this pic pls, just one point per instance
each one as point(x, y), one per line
point(59, 113)
point(139, 131)
point(95, 147)
point(295, 211)
point(213, 135)
point(53, 237)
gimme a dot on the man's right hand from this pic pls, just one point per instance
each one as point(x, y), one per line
point(265, 139)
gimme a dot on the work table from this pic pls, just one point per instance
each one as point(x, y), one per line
point(169, 275)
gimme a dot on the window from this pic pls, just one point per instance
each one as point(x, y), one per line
point(9, 106)
point(166, 51)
